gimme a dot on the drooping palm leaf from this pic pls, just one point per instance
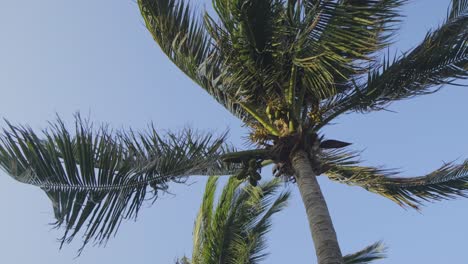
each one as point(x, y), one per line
point(177, 32)
point(440, 59)
point(185, 41)
point(95, 179)
point(373, 252)
point(447, 182)
point(233, 230)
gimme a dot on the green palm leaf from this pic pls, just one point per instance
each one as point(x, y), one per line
point(97, 179)
point(373, 252)
point(440, 59)
point(458, 9)
point(447, 182)
point(244, 38)
point(234, 229)
point(337, 40)
point(185, 41)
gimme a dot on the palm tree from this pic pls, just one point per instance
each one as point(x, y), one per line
point(234, 229)
point(286, 69)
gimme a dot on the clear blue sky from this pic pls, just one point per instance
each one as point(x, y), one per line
point(96, 57)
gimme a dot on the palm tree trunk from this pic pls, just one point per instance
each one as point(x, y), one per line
point(320, 223)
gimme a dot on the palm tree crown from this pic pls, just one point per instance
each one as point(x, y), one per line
point(288, 68)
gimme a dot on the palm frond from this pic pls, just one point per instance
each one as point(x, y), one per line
point(250, 26)
point(373, 252)
point(233, 230)
point(448, 182)
point(180, 36)
point(204, 218)
point(244, 40)
point(338, 39)
point(97, 179)
point(184, 39)
point(458, 8)
point(440, 59)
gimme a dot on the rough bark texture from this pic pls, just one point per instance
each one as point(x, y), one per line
point(320, 223)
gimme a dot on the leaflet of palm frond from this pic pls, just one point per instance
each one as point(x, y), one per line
point(343, 157)
point(333, 144)
point(440, 59)
point(97, 179)
point(210, 74)
point(180, 36)
point(183, 260)
point(185, 41)
point(458, 8)
point(338, 39)
point(232, 231)
point(448, 182)
point(372, 252)
point(238, 82)
point(222, 72)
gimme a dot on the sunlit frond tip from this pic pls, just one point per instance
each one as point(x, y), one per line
point(97, 179)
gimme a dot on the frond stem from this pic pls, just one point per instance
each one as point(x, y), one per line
point(246, 155)
point(290, 97)
point(272, 130)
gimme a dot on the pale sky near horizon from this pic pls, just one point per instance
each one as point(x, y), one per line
point(96, 57)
